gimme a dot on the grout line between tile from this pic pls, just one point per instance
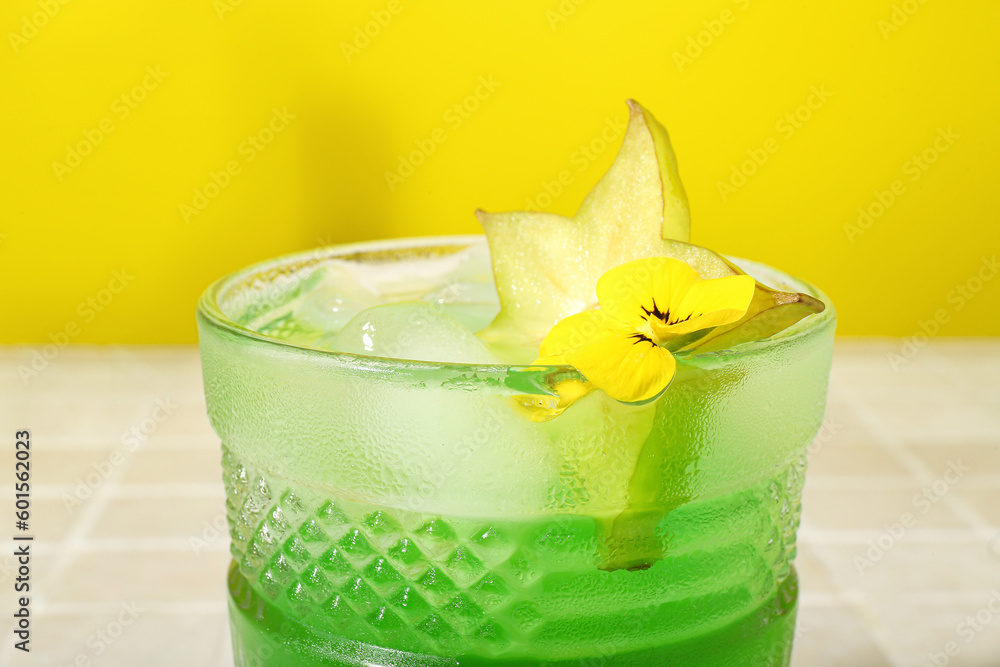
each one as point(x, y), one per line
point(891, 482)
point(130, 490)
point(64, 443)
point(916, 535)
point(137, 544)
point(165, 607)
point(929, 598)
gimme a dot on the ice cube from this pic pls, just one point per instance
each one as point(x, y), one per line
point(409, 330)
point(340, 289)
point(338, 295)
point(474, 304)
point(455, 291)
point(469, 294)
point(408, 278)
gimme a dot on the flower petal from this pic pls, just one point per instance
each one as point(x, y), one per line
point(628, 366)
point(709, 303)
point(572, 332)
point(629, 292)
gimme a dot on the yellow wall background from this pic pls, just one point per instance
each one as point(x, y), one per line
point(167, 93)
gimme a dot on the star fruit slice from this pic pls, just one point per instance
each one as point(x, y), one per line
point(546, 266)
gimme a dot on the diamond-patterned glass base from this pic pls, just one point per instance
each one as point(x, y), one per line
point(419, 583)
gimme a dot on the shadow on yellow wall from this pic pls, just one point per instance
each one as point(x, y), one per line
point(152, 147)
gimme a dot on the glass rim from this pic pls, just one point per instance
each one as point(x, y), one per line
point(211, 313)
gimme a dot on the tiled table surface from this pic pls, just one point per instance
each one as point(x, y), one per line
point(130, 555)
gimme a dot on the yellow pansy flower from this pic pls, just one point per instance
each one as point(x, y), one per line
point(647, 307)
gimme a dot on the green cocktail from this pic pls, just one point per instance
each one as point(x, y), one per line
point(385, 511)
